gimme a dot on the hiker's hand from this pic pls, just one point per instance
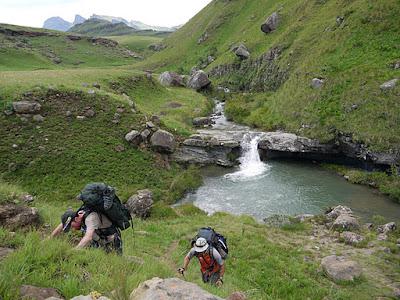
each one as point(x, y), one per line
point(181, 270)
point(219, 282)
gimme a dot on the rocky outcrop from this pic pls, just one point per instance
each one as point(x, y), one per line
point(342, 150)
point(26, 107)
point(259, 74)
point(139, 205)
point(170, 289)
point(33, 292)
point(163, 141)
point(271, 23)
point(16, 217)
point(204, 149)
point(199, 80)
point(171, 79)
point(340, 269)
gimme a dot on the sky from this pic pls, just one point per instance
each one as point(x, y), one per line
point(152, 12)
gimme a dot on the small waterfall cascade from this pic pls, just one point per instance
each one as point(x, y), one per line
point(251, 166)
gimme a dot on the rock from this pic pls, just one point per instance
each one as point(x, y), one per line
point(170, 289)
point(5, 251)
point(27, 198)
point(119, 148)
point(68, 113)
point(54, 298)
point(134, 138)
point(80, 118)
point(90, 297)
point(36, 293)
point(155, 119)
point(337, 211)
point(302, 218)
point(202, 121)
point(8, 112)
point(382, 237)
point(157, 47)
point(316, 83)
point(395, 65)
point(12, 167)
point(38, 118)
point(387, 227)
point(140, 204)
point(241, 51)
point(26, 107)
point(352, 238)
point(278, 220)
point(271, 23)
point(163, 141)
point(151, 126)
point(339, 269)
point(170, 79)
point(237, 296)
point(203, 38)
point(389, 85)
point(96, 85)
point(339, 20)
point(120, 110)
point(345, 222)
point(199, 80)
point(17, 217)
point(145, 134)
point(91, 92)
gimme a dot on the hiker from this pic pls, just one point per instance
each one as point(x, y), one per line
point(98, 230)
point(211, 250)
point(101, 217)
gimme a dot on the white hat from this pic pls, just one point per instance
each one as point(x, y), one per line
point(201, 245)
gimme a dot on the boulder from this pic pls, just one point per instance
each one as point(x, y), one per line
point(352, 238)
point(26, 107)
point(133, 137)
point(389, 85)
point(15, 217)
point(170, 289)
point(339, 269)
point(345, 222)
point(140, 204)
point(337, 211)
point(387, 227)
point(145, 134)
point(37, 293)
point(317, 83)
point(271, 23)
point(198, 80)
point(170, 79)
point(241, 51)
point(202, 121)
point(163, 141)
point(237, 296)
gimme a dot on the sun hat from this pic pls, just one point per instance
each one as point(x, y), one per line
point(201, 245)
point(66, 219)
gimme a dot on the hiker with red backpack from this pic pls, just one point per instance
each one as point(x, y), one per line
point(101, 217)
point(211, 250)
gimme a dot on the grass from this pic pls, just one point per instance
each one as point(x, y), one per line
point(138, 43)
point(258, 264)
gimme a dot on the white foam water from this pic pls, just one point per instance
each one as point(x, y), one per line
point(251, 166)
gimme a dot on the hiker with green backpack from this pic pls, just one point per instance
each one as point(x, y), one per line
point(101, 217)
point(211, 250)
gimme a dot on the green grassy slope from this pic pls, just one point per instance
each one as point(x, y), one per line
point(96, 27)
point(354, 58)
point(54, 51)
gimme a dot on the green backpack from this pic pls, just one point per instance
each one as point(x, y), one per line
point(101, 198)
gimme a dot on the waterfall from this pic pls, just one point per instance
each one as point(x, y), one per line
point(251, 166)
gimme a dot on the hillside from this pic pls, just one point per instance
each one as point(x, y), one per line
point(351, 46)
point(97, 27)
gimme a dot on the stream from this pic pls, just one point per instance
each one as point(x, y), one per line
point(261, 189)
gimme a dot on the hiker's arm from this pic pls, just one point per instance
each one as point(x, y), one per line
point(57, 230)
point(87, 239)
point(186, 262)
point(222, 271)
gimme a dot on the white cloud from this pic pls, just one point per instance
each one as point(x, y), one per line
point(153, 12)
